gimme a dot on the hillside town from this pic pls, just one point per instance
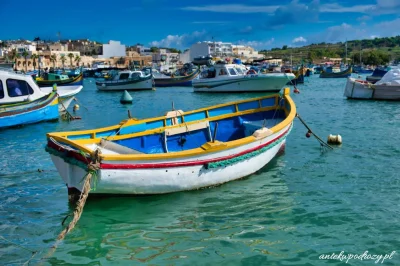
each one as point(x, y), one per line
point(25, 55)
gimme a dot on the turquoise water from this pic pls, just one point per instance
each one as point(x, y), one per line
point(303, 204)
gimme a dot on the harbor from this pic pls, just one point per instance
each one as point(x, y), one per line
point(272, 214)
point(237, 133)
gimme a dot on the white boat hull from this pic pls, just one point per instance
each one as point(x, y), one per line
point(357, 90)
point(159, 177)
point(141, 85)
point(273, 82)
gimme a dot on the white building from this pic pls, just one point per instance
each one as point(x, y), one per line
point(113, 49)
point(247, 52)
point(164, 57)
point(185, 57)
point(217, 49)
point(142, 50)
point(20, 48)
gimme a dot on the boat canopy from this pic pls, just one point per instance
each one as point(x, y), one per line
point(16, 88)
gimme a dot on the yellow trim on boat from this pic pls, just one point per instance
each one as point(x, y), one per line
point(204, 149)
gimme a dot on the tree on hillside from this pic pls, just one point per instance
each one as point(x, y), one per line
point(153, 49)
point(284, 47)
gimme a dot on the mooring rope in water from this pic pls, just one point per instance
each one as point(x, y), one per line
point(22, 247)
point(91, 171)
point(296, 90)
point(323, 143)
point(76, 99)
point(69, 116)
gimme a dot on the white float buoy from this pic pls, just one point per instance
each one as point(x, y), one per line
point(76, 107)
point(126, 97)
point(334, 139)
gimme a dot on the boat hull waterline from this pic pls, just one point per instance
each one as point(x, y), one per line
point(45, 109)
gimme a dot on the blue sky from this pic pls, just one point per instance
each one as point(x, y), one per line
point(261, 24)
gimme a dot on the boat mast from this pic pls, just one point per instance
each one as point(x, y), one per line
point(360, 55)
point(345, 59)
point(291, 59)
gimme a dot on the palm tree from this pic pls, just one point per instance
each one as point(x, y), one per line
point(53, 58)
point(77, 60)
point(34, 57)
point(63, 59)
point(25, 54)
point(71, 55)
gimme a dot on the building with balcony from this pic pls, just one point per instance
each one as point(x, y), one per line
point(216, 49)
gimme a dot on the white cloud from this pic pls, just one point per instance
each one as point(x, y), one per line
point(388, 28)
point(180, 41)
point(364, 18)
point(385, 7)
point(233, 8)
point(336, 8)
point(257, 44)
point(299, 39)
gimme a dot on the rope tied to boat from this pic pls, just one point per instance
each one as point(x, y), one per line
point(310, 132)
point(92, 169)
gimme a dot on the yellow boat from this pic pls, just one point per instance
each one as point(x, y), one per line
point(178, 151)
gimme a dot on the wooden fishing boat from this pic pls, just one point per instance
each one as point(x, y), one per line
point(22, 102)
point(388, 88)
point(299, 75)
point(127, 80)
point(343, 74)
point(236, 78)
point(59, 79)
point(177, 81)
point(176, 152)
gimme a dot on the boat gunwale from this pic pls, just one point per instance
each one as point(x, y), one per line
point(79, 144)
point(39, 103)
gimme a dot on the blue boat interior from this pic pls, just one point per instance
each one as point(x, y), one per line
point(228, 129)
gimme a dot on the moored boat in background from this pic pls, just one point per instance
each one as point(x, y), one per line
point(236, 78)
point(127, 80)
point(388, 88)
point(49, 79)
point(343, 74)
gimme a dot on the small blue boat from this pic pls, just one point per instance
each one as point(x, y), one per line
point(361, 70)
point(22, 102)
